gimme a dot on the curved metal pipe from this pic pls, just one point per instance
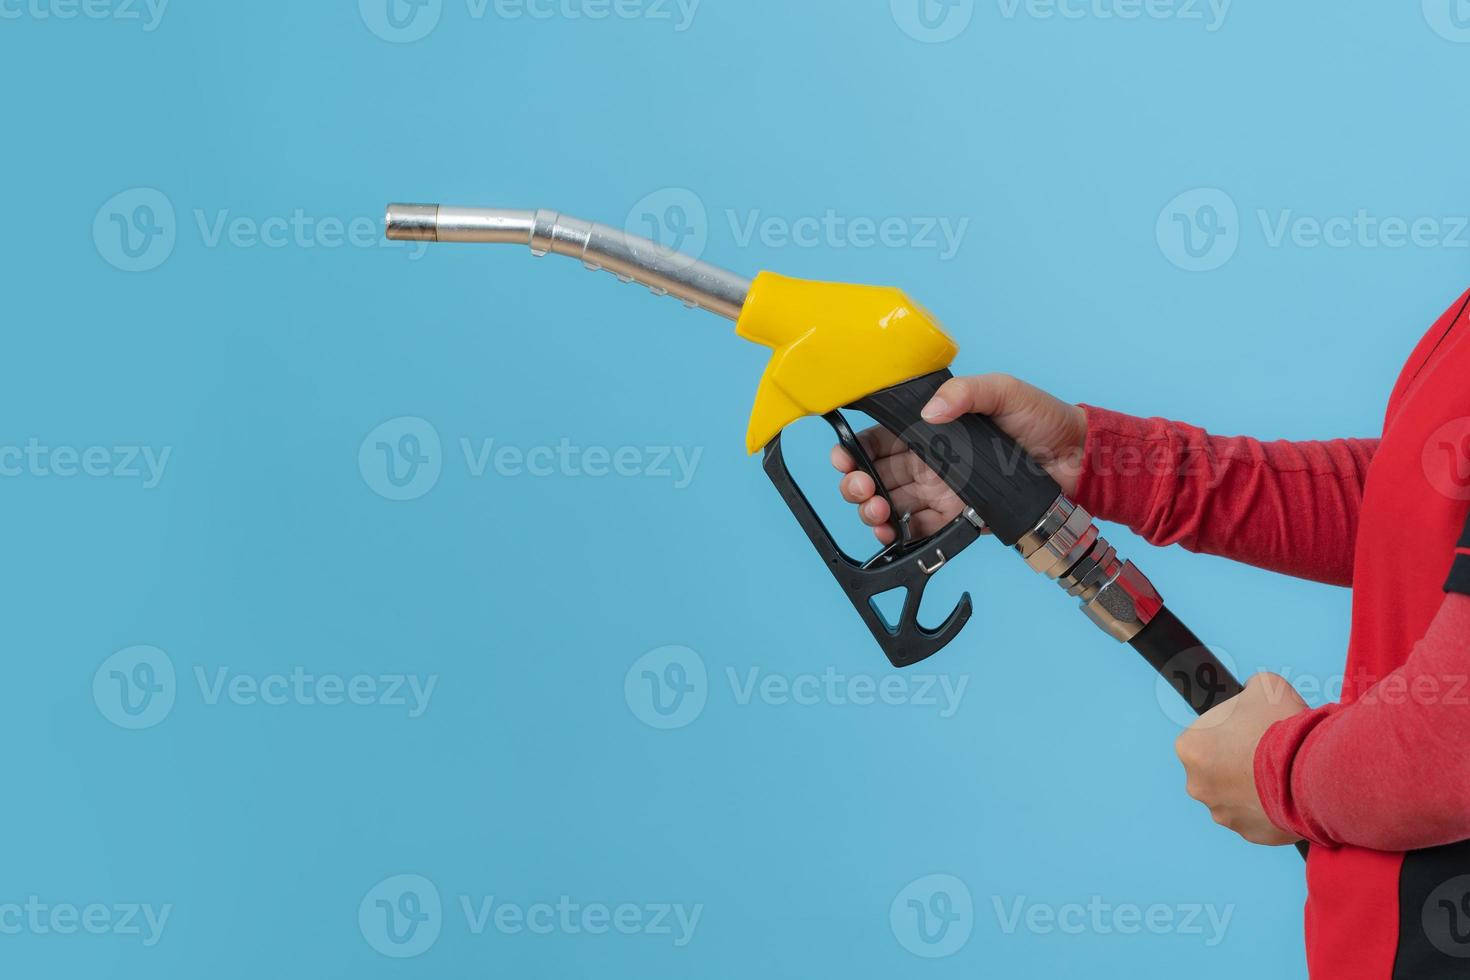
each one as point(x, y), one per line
point(630, 257)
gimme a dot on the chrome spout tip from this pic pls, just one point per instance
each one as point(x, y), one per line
point(412, 222)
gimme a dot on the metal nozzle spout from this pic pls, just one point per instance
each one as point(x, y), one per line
point(629, 257)
point(413, 222)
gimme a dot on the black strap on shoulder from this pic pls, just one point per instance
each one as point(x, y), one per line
point(1460, 572)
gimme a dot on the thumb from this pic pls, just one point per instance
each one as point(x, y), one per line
point(980, 394)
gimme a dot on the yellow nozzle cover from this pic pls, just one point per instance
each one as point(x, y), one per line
point(834, 344)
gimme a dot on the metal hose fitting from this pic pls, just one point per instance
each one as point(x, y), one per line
point(1066, 547)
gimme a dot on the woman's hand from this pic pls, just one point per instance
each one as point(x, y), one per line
point(1051, 430)
point(1219, 754)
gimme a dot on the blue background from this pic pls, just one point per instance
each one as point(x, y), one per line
point(265, 546)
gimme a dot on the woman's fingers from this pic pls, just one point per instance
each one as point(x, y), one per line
point(857, 487)
point(913, 487)
point(874, 511)
point(915, 498)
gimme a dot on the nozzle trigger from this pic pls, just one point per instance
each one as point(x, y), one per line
point(906, 564)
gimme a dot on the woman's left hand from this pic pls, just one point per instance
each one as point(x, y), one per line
point(1219, 752)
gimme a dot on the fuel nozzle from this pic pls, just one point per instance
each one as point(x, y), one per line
point(630, 257)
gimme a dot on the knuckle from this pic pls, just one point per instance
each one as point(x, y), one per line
point(1270, 683)
point(1184, 748)
point(956, 389)
point(1007, 387)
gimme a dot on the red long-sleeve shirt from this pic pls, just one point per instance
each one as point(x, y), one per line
point(1380, 783)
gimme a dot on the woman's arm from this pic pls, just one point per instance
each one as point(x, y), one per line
point(1290, 507)
point(1391, 771)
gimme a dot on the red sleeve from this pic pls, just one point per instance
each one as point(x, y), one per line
point(1350, 775)
point(1290, 507)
